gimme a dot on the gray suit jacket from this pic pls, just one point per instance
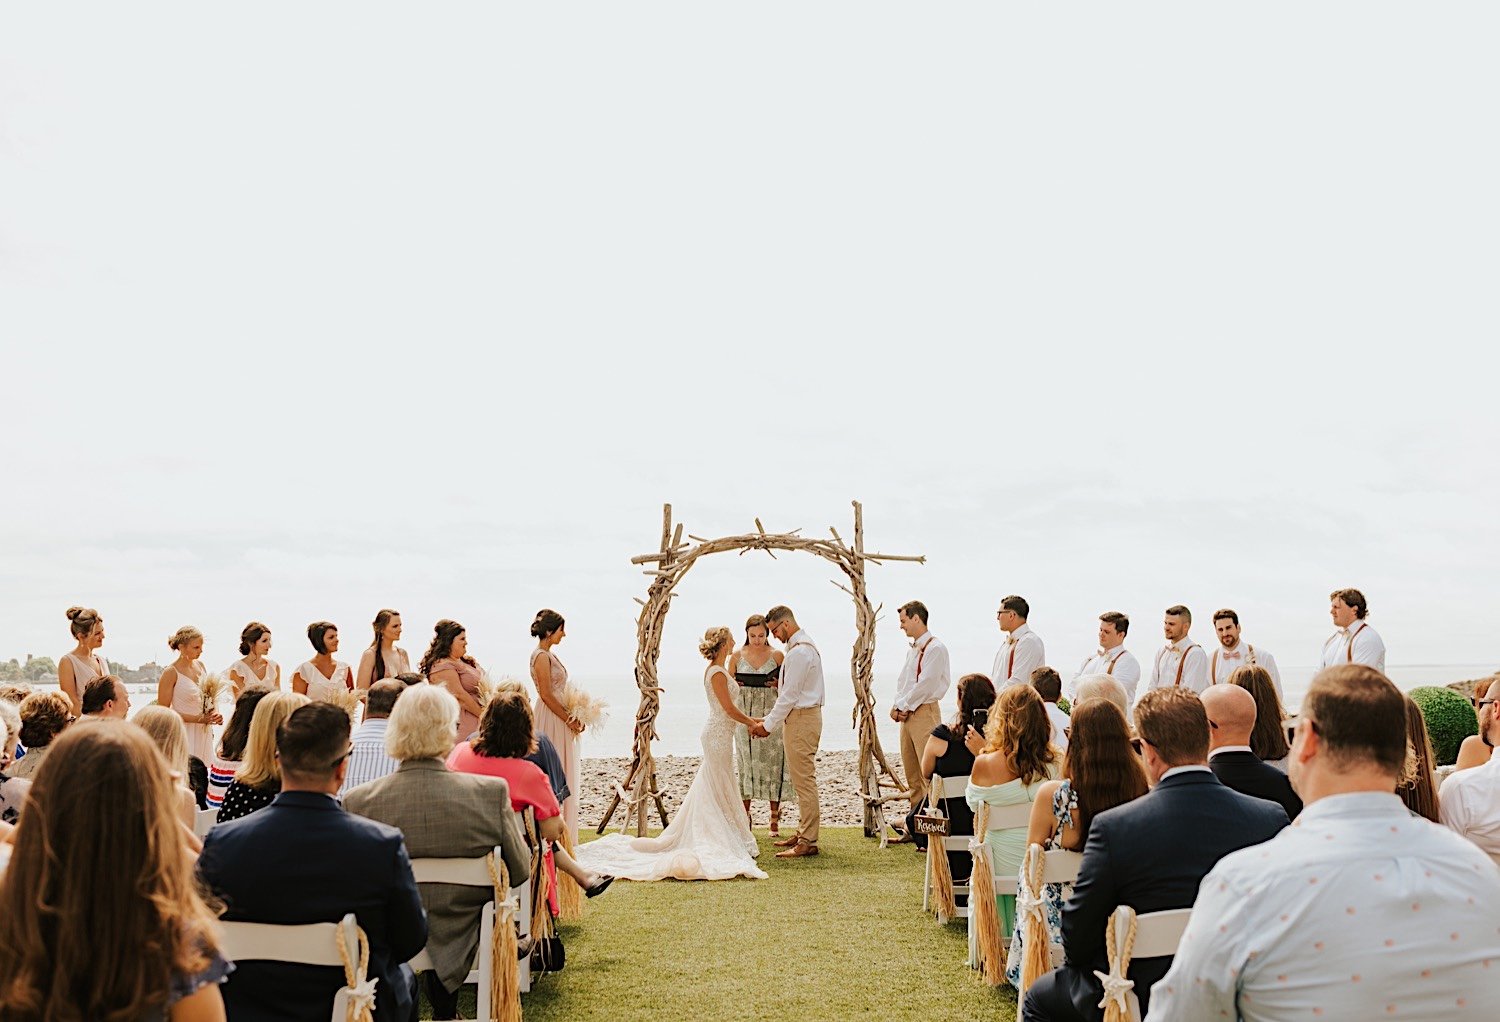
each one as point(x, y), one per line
point(447, 815)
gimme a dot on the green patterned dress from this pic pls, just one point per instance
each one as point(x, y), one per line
point(761, 761)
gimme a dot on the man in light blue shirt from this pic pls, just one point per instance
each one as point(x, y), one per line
point(1359, 910)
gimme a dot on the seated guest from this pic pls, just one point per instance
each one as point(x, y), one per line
point(1150, 854)
point(1470, 803)
point(410, 678)
point(545, 755)
point(1100, 771)
point(12, 789)
point(1231, 721)
point(106, 698)
point(258, 779)
point(303, 859)
point(231, 747)
point(43, 717)
point(946, 755)
point(1102, 686)
point(1361, 910)
point(1010, 764)
point(167, 730)
point(100, 917)
point(1475, 750)
point(369, 759)
point(1418, 785)
point(1268, 740)
point(1048, 685)
point(475, 817)
point(499, 749)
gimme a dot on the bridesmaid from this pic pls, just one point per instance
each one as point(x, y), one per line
point(178, 690)
point(384, 659)
point(322, 676)
point(447, 663)
point(76, 669)
point(552, 717)
point(253, 667)
point(762, 761)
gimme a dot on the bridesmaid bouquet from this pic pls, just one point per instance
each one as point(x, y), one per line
point(588, 710)
point(348, 700)
point(209, 691)
point(489, 688)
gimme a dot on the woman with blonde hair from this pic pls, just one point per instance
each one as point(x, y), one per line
point(169, 734)
point(83, 664)
point(258, 780)
point(178, 690)
point(43, 717)
point(1011, 761)
point(100, 915)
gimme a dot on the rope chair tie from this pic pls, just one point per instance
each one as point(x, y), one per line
point(359, 995)
point(1119, 944)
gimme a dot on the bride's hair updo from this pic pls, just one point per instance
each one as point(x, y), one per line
point(713, 641)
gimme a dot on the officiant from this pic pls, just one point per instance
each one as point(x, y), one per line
point(761, 763)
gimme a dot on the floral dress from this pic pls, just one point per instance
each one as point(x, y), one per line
point(1064, 805)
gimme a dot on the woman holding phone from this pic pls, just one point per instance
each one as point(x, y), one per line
point(947, 756)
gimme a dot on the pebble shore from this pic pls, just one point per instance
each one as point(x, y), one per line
point(838, 789)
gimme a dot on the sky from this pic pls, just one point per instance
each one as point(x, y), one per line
point(308, 311)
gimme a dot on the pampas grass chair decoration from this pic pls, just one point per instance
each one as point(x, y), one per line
point(569, 894)
point(505, 983)
point(939, 875)
point(982, 907)
point(1036, 942)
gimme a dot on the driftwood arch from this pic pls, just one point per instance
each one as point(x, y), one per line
point(673, 561)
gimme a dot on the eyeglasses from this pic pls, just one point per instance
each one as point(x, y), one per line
point(347, 753)
point(1214, 724)
point(1481, 704)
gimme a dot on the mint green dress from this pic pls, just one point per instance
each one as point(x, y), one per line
point(1007, 845)
point(762, 761)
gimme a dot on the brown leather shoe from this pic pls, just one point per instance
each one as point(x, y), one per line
point(785, 842)
point(801, 850)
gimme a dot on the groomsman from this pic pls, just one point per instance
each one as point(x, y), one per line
point(1113, 658)
point(1182, 662)
point(919, 690)
point(1023, 650)
point(1355, 642)
point(1232, 653)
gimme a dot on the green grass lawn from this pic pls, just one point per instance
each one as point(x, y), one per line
point(841, 936)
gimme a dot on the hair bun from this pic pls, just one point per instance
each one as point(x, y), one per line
point(73, 612)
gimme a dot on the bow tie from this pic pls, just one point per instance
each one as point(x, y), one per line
point(1232, 656)
point(1102, 652)
point(1011, 640)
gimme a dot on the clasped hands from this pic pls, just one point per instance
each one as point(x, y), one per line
point(757, 728)
point(900, 716)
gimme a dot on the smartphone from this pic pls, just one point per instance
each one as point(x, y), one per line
point(981, 720)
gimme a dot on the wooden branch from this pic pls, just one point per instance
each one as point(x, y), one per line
point(894, 557)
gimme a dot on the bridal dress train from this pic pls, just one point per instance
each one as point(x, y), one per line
point(709, 837)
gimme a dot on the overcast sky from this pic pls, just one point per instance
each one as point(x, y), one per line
point(310, 310)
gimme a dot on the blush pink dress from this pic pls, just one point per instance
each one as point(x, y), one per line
point(562, 737)
point(468, 679)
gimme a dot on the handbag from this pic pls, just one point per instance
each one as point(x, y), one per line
point(547, 951)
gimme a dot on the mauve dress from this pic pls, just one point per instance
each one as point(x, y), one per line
point(468, 679)
point(562, 737)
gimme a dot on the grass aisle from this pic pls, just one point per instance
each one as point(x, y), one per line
point(835, 937)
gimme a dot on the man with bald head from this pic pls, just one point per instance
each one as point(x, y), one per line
point(1231, 719)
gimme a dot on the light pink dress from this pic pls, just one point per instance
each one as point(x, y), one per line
point(562, 737)
point(468, 680)
point(186, 699)
point(85, 671)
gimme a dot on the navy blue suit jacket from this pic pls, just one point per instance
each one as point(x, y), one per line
point(303, 859)
point(1248, 775)
point(1152, 854)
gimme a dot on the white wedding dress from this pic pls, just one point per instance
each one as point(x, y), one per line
point(708, 838)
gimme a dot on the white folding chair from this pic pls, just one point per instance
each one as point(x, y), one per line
point(1157, 935)
point(1061, 868)
point(204, 820)
point(476, 873)
point(948, 787)
point(1001, 818)
point(305, 944)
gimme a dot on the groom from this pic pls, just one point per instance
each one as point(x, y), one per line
point(799, 711)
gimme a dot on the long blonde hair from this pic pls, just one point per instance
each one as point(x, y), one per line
point(259, 768)
point(166, 729)
point(1020, 728)
point(99, 852)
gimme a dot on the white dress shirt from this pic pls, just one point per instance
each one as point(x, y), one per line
point(1359, 910)
point(1060, 722)
point(1119, 663)
point(1469, 804)
point(1223, 662)
point(369, 760)
point(1190, 656)
point(924, 679)
point(1021, 653)
point(801, 680)
point(1368, 649)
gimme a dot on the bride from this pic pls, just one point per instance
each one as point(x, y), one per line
point(709, 838)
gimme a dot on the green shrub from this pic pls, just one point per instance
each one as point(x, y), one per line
point(1450, 719)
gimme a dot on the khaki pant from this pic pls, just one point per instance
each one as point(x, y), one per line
point(801, 733)
point(914, 734)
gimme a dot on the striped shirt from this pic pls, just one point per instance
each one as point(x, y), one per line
point(220, 773)
point(368, 761)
